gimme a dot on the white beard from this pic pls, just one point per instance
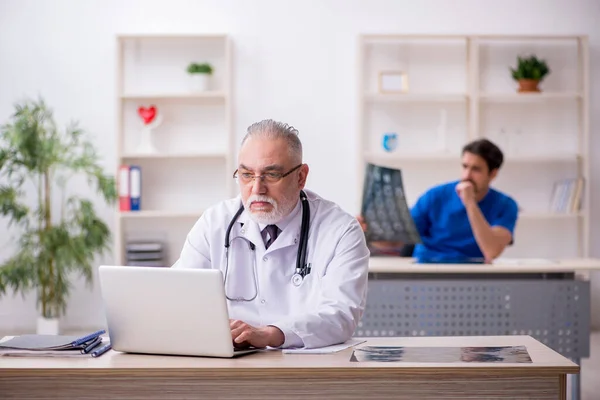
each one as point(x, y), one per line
point(278, 212)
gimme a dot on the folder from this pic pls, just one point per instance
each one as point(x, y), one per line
point(124, 199)
point(95, 349)
point(51, 342)
point(135, 176)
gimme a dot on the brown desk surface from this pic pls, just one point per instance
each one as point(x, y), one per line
point(545, 361)
point(408, 265)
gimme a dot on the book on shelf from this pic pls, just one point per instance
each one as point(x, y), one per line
point(148, 263)
point(130, 187)
point(145, 254)
point(567, 195)
point(143, 246)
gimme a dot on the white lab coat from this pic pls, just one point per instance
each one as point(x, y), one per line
point(328, 305)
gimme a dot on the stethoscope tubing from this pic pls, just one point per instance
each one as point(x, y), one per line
point(302, 269)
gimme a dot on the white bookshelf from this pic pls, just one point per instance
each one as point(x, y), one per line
point(214, 154)
point(549, 215)
point(418, 97)
point(209, 95)
point(465, 81)
point(160, 214)
point(399, 158)
point(529, 97)
point(191, 169)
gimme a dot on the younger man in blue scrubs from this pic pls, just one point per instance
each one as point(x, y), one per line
point(466, 220)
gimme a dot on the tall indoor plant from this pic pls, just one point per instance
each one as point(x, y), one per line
point(58, 233)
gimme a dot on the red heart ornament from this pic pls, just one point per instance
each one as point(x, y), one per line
point(147, 114)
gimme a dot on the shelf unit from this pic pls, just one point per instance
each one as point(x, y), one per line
point(399, 158)
point(191, 169)
point(214, 154)
point(418, 97)
point(460, 89)
point(159, 214)
point(219, 95)
point(529, 97)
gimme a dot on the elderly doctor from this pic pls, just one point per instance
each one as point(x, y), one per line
point(277, 294)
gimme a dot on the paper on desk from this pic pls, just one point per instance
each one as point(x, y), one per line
point(523, 261)
point(325, 350)
point(42, 353)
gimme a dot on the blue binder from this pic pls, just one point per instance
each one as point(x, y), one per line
point(135, 182)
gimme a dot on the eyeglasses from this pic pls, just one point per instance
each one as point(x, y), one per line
point(269, 177)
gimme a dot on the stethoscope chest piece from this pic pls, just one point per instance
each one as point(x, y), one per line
point(297, 280)
point(302, 268)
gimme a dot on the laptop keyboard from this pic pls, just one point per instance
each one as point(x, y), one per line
point(244, 349)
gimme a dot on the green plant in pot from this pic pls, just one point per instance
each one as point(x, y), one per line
point(199, 74)
point(58, 234)
point(529, 73)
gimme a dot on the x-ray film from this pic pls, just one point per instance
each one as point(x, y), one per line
point(384, 207)
point(506, 354)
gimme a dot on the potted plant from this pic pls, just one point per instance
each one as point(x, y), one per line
point(58, 232)
point(529, 73)
point(199, 74)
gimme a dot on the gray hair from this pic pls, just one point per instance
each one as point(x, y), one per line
point(270, 129)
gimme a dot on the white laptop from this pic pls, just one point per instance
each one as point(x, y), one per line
point(155, 310)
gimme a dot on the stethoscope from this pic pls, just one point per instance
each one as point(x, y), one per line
point(302, 269)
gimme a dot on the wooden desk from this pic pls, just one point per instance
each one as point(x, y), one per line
point(273, 375)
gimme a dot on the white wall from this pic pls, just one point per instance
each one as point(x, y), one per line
point(294, 61)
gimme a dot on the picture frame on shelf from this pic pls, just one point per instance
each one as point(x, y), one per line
point(393, 82)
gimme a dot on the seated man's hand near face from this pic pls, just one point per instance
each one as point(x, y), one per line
point(380, 246)
point(466, 192)
point(245, 335)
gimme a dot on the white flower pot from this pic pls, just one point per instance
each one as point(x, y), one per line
point(199, 82)
point(47, 326)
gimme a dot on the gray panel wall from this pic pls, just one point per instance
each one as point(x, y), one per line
point(555, 312)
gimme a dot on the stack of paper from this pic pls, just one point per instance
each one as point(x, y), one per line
point(325, 350)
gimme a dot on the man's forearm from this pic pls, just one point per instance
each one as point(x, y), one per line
point(491, 246)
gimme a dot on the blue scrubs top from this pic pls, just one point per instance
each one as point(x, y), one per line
point(442, 221)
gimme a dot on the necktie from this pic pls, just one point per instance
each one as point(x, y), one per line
point(272, 232)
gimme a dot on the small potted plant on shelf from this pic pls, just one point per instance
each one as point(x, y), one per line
point(57, 232)
point(529, 73)
point(199, 74)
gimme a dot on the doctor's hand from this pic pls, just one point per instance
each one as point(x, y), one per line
point(245, 335)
